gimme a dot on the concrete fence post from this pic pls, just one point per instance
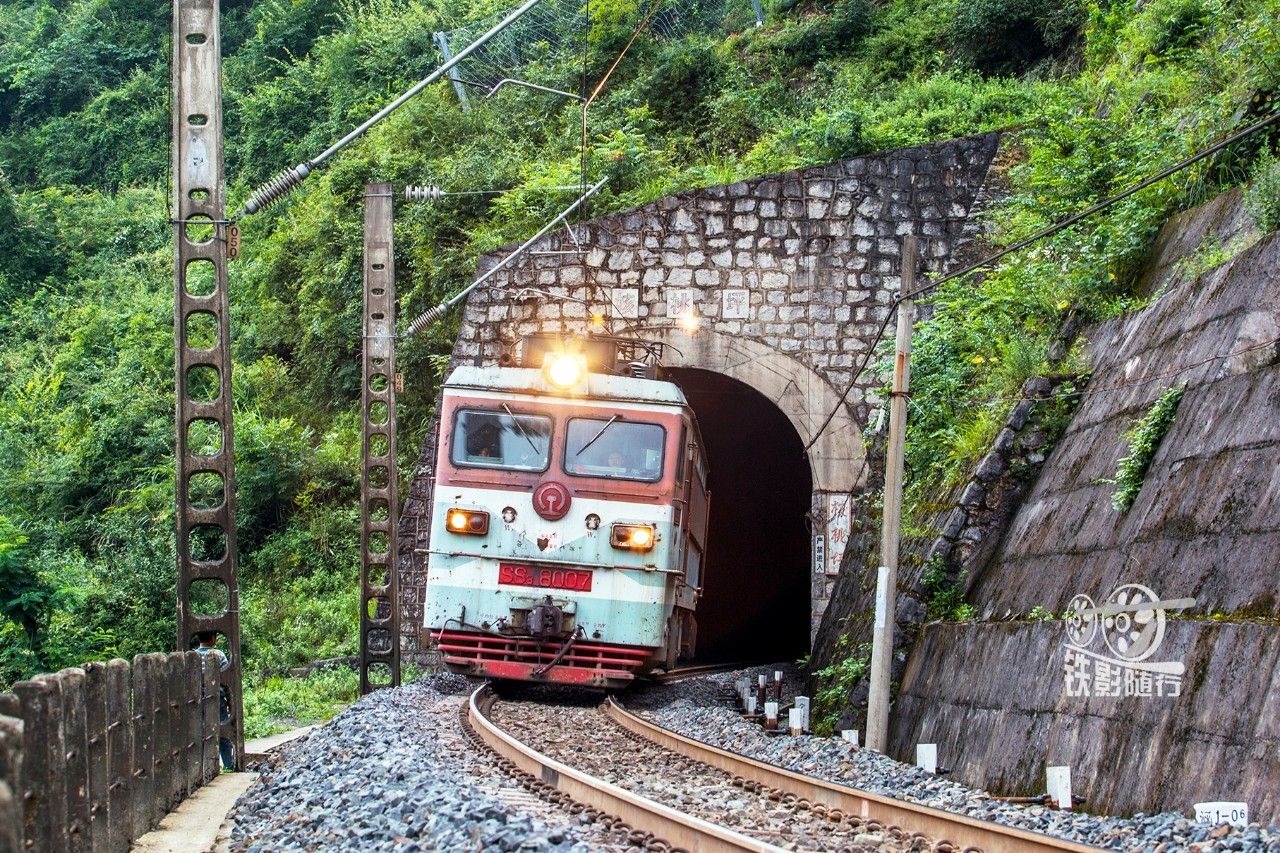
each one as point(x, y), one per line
point(177, 679)
point(10, 775)
point(39, 827)
point(209, 680)
point(120, 765)
point(75, 743)
point(192, 747)
point(158, 677)
point(143, 788)
point(95, 715)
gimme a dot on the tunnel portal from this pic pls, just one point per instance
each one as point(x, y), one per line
point(756, 599)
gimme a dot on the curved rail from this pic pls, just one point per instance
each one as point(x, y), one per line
point(678, 829)
point(961, 831)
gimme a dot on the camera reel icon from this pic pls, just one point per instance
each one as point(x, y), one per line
point(1131, 621)
point(1082, 624)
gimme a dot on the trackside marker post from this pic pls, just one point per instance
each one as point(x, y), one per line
point(1236, 814)
point(927, 757)
point(1058, 786)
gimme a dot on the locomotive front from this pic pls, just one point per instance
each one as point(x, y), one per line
point(566, 542)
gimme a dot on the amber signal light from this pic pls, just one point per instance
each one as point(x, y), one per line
point(472, 522)
point(633, 537)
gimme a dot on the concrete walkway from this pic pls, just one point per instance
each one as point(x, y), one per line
point(199, 824)
point(193, 827)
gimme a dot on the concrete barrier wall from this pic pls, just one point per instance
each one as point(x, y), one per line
point(994, 698)
point(1205, 526)
point(92, 758)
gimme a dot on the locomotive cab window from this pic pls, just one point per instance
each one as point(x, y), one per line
point(614, 449)
point(500, 439)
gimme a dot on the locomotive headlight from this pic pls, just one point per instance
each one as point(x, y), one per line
point(469, 521)
point(634, 537)
point(565, 370)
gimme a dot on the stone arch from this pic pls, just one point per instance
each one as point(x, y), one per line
point(800, 392)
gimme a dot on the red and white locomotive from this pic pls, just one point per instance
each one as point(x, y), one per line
point(569, 519)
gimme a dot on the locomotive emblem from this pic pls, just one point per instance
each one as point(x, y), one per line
point(551, 500)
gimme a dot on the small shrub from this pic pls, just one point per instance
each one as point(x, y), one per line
point(1263, 197)
point(836, 683)
point(1040, 614)
point(1144, 439)
point(277, 704)
point(945, 596)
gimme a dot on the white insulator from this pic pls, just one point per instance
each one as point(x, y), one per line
point(427, 192)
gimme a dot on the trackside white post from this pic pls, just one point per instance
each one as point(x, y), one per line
point(887, 580)
point(1058, 785)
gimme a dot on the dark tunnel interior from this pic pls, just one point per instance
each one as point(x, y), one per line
point(755, 602)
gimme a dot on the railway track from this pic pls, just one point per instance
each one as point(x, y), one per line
point(657, 790)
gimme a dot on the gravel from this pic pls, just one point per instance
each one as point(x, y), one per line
point(702, 709)
point(393, 772)
point(556, 727)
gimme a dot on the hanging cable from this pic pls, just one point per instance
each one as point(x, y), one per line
point(288, 180)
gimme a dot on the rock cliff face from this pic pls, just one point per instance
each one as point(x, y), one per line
point(1197, 717)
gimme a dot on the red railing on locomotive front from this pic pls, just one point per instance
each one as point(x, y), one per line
point(466, 646)
point(660, 491)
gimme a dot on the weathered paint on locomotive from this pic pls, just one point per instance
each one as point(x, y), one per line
point(632, 596)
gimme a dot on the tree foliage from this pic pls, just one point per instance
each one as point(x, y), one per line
point(1099, 94)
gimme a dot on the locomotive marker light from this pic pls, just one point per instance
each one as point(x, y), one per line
point(633, 537)
point(469, 521)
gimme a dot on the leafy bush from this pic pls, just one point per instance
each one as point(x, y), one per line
point(836, 682)
point(1009, 36)
point(1144, 440)
point(1263, 197)
point(277, 704)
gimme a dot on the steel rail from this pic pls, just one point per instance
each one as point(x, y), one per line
point(694, 670)
point(678, 829)
point(961, 831)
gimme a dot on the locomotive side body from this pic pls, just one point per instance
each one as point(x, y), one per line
point(567, 531)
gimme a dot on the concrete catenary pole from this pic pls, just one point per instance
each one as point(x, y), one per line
point(886, 582)
point(379, 501)
point(206, 483)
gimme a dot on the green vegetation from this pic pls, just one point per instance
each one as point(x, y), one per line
point(1096, 92)
point(834, 684)
point(1263, 197)
point(1144, 440)
point(945, 594)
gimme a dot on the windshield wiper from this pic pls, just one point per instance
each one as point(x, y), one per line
point(607, 424)
point(519, 428)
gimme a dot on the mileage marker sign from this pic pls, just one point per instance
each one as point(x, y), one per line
point(543, 577)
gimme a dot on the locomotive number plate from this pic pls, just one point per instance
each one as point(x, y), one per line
point(547, 578)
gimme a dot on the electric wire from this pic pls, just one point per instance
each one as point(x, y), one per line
point(1034, 238)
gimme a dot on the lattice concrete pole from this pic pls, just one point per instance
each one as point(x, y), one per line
point(206, 526)
point(380, 595)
